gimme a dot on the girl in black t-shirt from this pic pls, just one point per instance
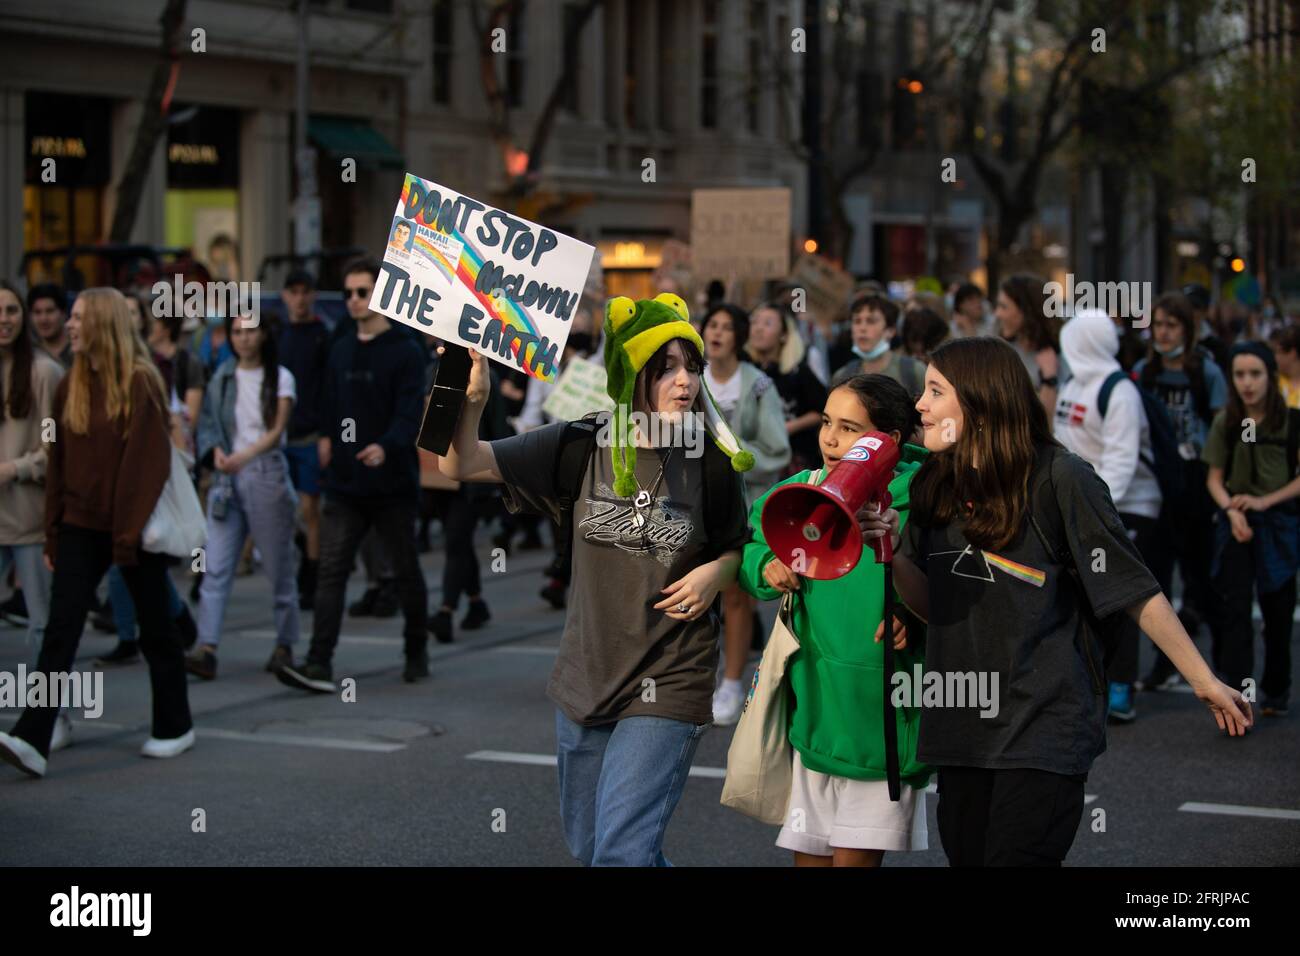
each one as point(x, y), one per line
point(1007, 579)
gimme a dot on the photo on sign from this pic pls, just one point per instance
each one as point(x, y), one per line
point(481, 277)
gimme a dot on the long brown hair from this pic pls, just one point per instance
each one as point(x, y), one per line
point(119, 354)
point(19, 400)
point(1029, 293)
point(1004, 424)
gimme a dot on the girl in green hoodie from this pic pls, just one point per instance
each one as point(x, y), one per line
point(840, 813)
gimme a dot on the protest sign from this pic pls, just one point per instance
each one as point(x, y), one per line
point(579, 390)
point(739, 233)
point(827, 287)
point(477, 276)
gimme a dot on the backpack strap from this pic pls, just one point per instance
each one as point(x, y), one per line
point(1292, 441)
point(577, 442)
point(1200, 392)
point(1108, 386)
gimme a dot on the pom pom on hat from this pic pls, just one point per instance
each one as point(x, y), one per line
point(742, 460)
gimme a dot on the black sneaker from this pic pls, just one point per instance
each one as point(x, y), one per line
point(477, 615)
point(280, 657)
point(1273, 706)
point(365, 607)
point(14, 610)
point(202, 662)
point(440, 627)
point(126, 652)
point(553, 594)
point(186, 629)
point(387, 603)
point(417, 667)
point(318, 678)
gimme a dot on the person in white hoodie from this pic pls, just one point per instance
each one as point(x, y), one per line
point(1118, 446)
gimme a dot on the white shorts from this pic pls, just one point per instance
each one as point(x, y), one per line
point(828, 811)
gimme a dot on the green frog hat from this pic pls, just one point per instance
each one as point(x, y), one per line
point(634, 331)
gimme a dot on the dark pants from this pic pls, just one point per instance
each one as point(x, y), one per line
point(458, 513)
point(344, 522)
point(1187, 540)
point(1008, 817)
point(84, 557)
point(1147, 536)
point(1235, 631)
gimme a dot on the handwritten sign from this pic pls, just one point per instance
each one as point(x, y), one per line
point(481, 277)
point(740, 232)
point(828, 287)
point(579, 391)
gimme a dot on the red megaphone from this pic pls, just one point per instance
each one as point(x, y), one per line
point(813, 529)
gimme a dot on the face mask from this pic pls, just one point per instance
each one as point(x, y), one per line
point(881, 348)
point(1169, 353)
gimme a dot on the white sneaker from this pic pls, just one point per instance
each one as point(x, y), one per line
point(154, 747)
point(21, 754)
point(728, 702)
point(62, 733)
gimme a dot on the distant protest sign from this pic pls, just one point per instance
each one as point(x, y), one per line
point(481, 277)
point(737, 233)
point(579, 391)
point(826, 286)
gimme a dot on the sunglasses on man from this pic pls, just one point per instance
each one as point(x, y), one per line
point(356, 293)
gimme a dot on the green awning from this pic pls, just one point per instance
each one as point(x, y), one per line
point(345, 138)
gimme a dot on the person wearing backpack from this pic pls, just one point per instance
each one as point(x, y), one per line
point(1192, 388)
point(1100, 417)
point(1001, 559)
point(657, 530)
point(1253, 453)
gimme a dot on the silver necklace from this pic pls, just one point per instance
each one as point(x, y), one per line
point(644, 499)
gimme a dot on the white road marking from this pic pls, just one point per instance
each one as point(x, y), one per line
point(322, 743)
point(1233, 810)
point(548, 760)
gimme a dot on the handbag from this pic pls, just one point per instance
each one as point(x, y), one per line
point(760, 759)
point(177, 525)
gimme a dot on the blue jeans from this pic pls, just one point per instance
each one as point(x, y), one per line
point(261, 503)
point(619, 785)
point(119, 595)
point(29, 563)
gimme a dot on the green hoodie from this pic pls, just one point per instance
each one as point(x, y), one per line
point(835, 677)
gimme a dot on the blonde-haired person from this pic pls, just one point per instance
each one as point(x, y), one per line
point(107, 466)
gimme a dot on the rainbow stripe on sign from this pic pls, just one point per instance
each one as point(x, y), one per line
point(508, 311)
point(1023, 572)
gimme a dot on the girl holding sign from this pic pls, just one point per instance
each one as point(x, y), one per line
point(656, 536)
point(1016, 557)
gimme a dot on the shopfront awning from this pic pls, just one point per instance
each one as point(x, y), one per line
point(345, 138)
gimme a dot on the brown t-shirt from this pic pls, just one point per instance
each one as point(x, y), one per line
point(108, 479)
point(619, 656)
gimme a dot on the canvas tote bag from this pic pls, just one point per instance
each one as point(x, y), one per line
point(177, 525)
point(759, 763)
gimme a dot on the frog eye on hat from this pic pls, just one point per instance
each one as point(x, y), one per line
point(619, 310)
point(675, 303)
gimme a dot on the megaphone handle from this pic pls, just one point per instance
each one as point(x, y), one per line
point(883, 546)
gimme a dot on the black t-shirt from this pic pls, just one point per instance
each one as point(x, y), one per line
point(1015, 616)
point(304, 350)
point(801, 392)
